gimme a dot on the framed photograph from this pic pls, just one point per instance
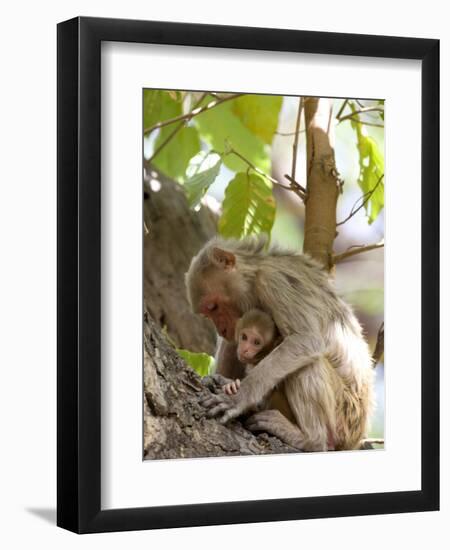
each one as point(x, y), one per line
point(248, 225)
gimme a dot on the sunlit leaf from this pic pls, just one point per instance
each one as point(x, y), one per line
point(259, 113)
point(248, 206)
point(174, 157)
point(203, 169)
point(371, 172)
point(202, 363)
point(222, 129)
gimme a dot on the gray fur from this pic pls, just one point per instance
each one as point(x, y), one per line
point(323, 358)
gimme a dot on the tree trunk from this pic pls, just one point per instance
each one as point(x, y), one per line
point(323, 182)
point(175, 235)
point(175, 423)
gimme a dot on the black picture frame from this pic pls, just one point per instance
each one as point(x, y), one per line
point(79, 280)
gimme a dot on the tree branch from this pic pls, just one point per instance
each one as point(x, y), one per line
point(359, 121)
point(379, 348)
point(344, 104)
point(358, 249)
point(192, 114)
point(373, 441)
point(358, 112)
point(323, 182)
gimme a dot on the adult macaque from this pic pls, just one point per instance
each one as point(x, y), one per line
point(323, 358)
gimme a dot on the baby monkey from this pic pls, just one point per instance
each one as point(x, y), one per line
point(256, 336)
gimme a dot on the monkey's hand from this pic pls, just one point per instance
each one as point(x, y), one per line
point(215, 382)
point(228, 406)
point(232, 387)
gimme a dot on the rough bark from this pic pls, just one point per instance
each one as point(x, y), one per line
point(323, 182)
point(175, 424)
point(175, 235)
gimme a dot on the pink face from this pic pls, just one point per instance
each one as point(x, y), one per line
point(249, 345)
point(222, 313)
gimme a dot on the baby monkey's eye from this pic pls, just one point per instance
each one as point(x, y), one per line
point(257, 342)
point(243, 336)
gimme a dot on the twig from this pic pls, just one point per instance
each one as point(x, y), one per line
point(359, 121)
point(192, 114)
point(344, 104)
point(365, 198)
point(358, 112)
point(379, 347)
point(175, 131)
point(295, 145)
point(298, 192)
point(253, 167)
point(290, 133)
point(297, 187)
point(353, 250)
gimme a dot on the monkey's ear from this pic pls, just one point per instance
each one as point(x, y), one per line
point(224, 259)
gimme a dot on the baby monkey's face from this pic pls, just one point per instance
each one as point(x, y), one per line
point(250, 343)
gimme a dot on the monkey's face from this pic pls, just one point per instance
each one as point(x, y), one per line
point(215, 290)
point(250, 343)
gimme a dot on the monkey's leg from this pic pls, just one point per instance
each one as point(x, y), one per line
point(311, 396)
point(275, 423)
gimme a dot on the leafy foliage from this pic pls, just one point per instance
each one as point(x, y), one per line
point(202, 363)
point(159, 106)
point(174, 157)
point(201, 173)
point(371, 172)
point(221, 128)
point(248, 206)
point(259, 113)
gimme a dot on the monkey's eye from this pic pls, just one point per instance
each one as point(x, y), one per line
point(257, 342)
point(243, 336)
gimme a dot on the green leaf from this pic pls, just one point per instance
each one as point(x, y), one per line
point(174, 157)
point(371, 172)
point(248, 206)
point(159, 106)
point(203, 169)
point(222, 129)
point(202, 363)
point(259, 113)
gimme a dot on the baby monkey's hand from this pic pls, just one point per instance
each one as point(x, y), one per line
point(232, 387)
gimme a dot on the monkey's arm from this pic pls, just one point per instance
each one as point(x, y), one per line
point(227, 363)
point(291, 355)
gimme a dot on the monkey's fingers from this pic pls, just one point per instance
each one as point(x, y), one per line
point(221, 407)
point(234, 387)
point(210, 401)
point(263, 421)
point(230, 414)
